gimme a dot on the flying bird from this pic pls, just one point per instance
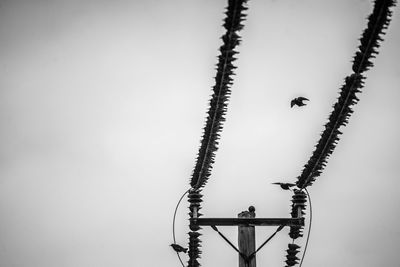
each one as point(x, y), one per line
point(178, 248)
point(285, 186)
point(299, 101)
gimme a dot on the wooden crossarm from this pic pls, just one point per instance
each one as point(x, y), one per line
point(247, 221)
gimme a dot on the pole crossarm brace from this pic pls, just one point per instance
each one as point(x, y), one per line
point(247, 221)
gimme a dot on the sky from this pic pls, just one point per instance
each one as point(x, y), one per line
point(102, 105)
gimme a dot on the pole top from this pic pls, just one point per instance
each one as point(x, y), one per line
point(250, 213)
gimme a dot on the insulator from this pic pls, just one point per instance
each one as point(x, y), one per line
point(194, 199)
point(194, 227)
point(194, 249)
point(295, 232)
point(291, 258)
point(299, 200)
point(194, 241)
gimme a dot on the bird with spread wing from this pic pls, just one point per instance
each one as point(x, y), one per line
point(285, 186)
point(178, 248)
point(298, 101)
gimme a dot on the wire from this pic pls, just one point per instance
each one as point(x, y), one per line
point(309, 228)
point(173, 223)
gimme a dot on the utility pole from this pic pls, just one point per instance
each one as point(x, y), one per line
point(246, 222)
point(247, 240)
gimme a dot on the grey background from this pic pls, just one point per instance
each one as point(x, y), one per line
point(102, 107)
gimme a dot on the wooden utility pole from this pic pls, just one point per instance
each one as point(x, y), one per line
point(247, 240)
point(246, 222)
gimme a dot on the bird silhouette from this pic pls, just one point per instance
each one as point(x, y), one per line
point(298, 101)
point(178, 248)
point(285, 186)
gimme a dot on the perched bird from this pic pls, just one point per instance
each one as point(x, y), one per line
point(285, 186)
point(178, 248)
point(298, 101)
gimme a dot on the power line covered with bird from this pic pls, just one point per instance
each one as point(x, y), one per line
point(369, 43)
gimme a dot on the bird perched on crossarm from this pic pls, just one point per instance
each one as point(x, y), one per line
point(178, 248)
point(285, 186)
point(298, 101)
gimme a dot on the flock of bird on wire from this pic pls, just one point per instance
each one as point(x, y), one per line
point(371, 38)
point(298, 101)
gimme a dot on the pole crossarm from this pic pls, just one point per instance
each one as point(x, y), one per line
point(247, 221)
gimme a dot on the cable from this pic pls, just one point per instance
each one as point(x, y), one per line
point(173, 223)
point(309, 228)
point(176, 209)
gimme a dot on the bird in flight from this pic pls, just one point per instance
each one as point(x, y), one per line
point(178, 248)
point(285, 186)
point(299, 101)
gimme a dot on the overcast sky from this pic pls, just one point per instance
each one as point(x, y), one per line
point(101, 111)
